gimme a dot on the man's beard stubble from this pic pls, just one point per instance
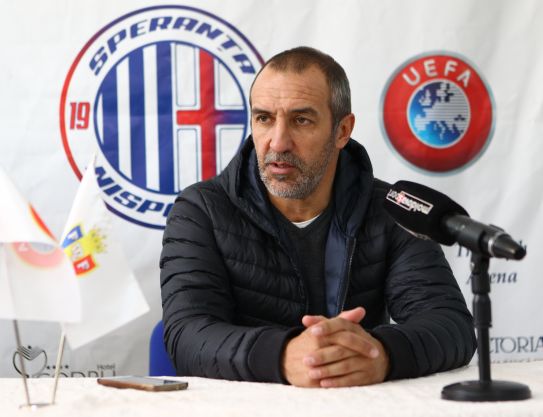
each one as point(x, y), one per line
point(308, 178)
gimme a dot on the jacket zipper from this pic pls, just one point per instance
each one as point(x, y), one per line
point(297, 272)
point(352, 245)
point(271, 232)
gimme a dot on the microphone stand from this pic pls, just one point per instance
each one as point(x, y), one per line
point(485, 389)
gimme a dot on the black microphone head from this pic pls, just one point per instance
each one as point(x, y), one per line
point(504, 246)
point(421, 210)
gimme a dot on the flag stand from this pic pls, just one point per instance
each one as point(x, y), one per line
point(28, 404)
point(59, 361)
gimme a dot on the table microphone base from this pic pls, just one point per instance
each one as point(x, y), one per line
point(486, 391)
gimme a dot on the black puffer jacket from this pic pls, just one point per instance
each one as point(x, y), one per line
point(232, 294)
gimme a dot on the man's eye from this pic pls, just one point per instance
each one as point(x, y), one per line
point(262, 118)
point(302, 121)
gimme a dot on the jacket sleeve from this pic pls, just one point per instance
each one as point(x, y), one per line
point(434, 330)
point(198, 306)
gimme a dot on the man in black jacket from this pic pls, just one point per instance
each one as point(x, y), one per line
point(285, 268)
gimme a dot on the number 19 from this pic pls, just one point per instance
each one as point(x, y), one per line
point(79, 115)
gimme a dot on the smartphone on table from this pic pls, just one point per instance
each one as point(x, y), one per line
point(143, 383)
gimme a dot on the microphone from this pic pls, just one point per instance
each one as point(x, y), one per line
point(429, 214)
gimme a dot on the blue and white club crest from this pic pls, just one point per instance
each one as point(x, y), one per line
point(162, 94)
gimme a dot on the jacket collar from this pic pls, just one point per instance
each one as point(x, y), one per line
point(353, 186)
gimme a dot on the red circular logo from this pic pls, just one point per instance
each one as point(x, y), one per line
point(437, 112)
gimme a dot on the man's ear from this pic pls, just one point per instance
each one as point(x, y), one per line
point(344, 130)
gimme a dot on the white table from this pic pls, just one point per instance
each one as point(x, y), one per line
point(80, 397)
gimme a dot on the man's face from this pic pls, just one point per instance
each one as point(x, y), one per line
point(292, 130)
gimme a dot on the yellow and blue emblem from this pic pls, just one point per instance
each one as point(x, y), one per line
point(82, 248)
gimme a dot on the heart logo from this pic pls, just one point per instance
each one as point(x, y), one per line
point(35, 360)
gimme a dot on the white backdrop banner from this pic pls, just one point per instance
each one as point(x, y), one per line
point(448, 94)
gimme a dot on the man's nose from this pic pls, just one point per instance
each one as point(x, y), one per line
point(281, 140)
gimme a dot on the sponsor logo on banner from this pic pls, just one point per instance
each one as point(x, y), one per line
point(516, 344)
point(494, 277)
point(438, 112)
point(34, 359)
point(36, 365)
point(161, 94)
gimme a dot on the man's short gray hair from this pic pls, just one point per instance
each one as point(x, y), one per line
point(300, 58)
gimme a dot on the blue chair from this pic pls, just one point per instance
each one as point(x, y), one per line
point(159, 361)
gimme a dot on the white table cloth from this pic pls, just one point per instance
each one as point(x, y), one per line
point(80, 397)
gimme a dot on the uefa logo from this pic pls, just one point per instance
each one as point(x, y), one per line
point(437, 112)
point(161, 96)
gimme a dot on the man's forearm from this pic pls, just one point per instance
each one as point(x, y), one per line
point(214, 349)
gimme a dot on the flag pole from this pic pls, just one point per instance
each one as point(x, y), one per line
point(57, 366)
point(21, 362)
point(28, 404)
